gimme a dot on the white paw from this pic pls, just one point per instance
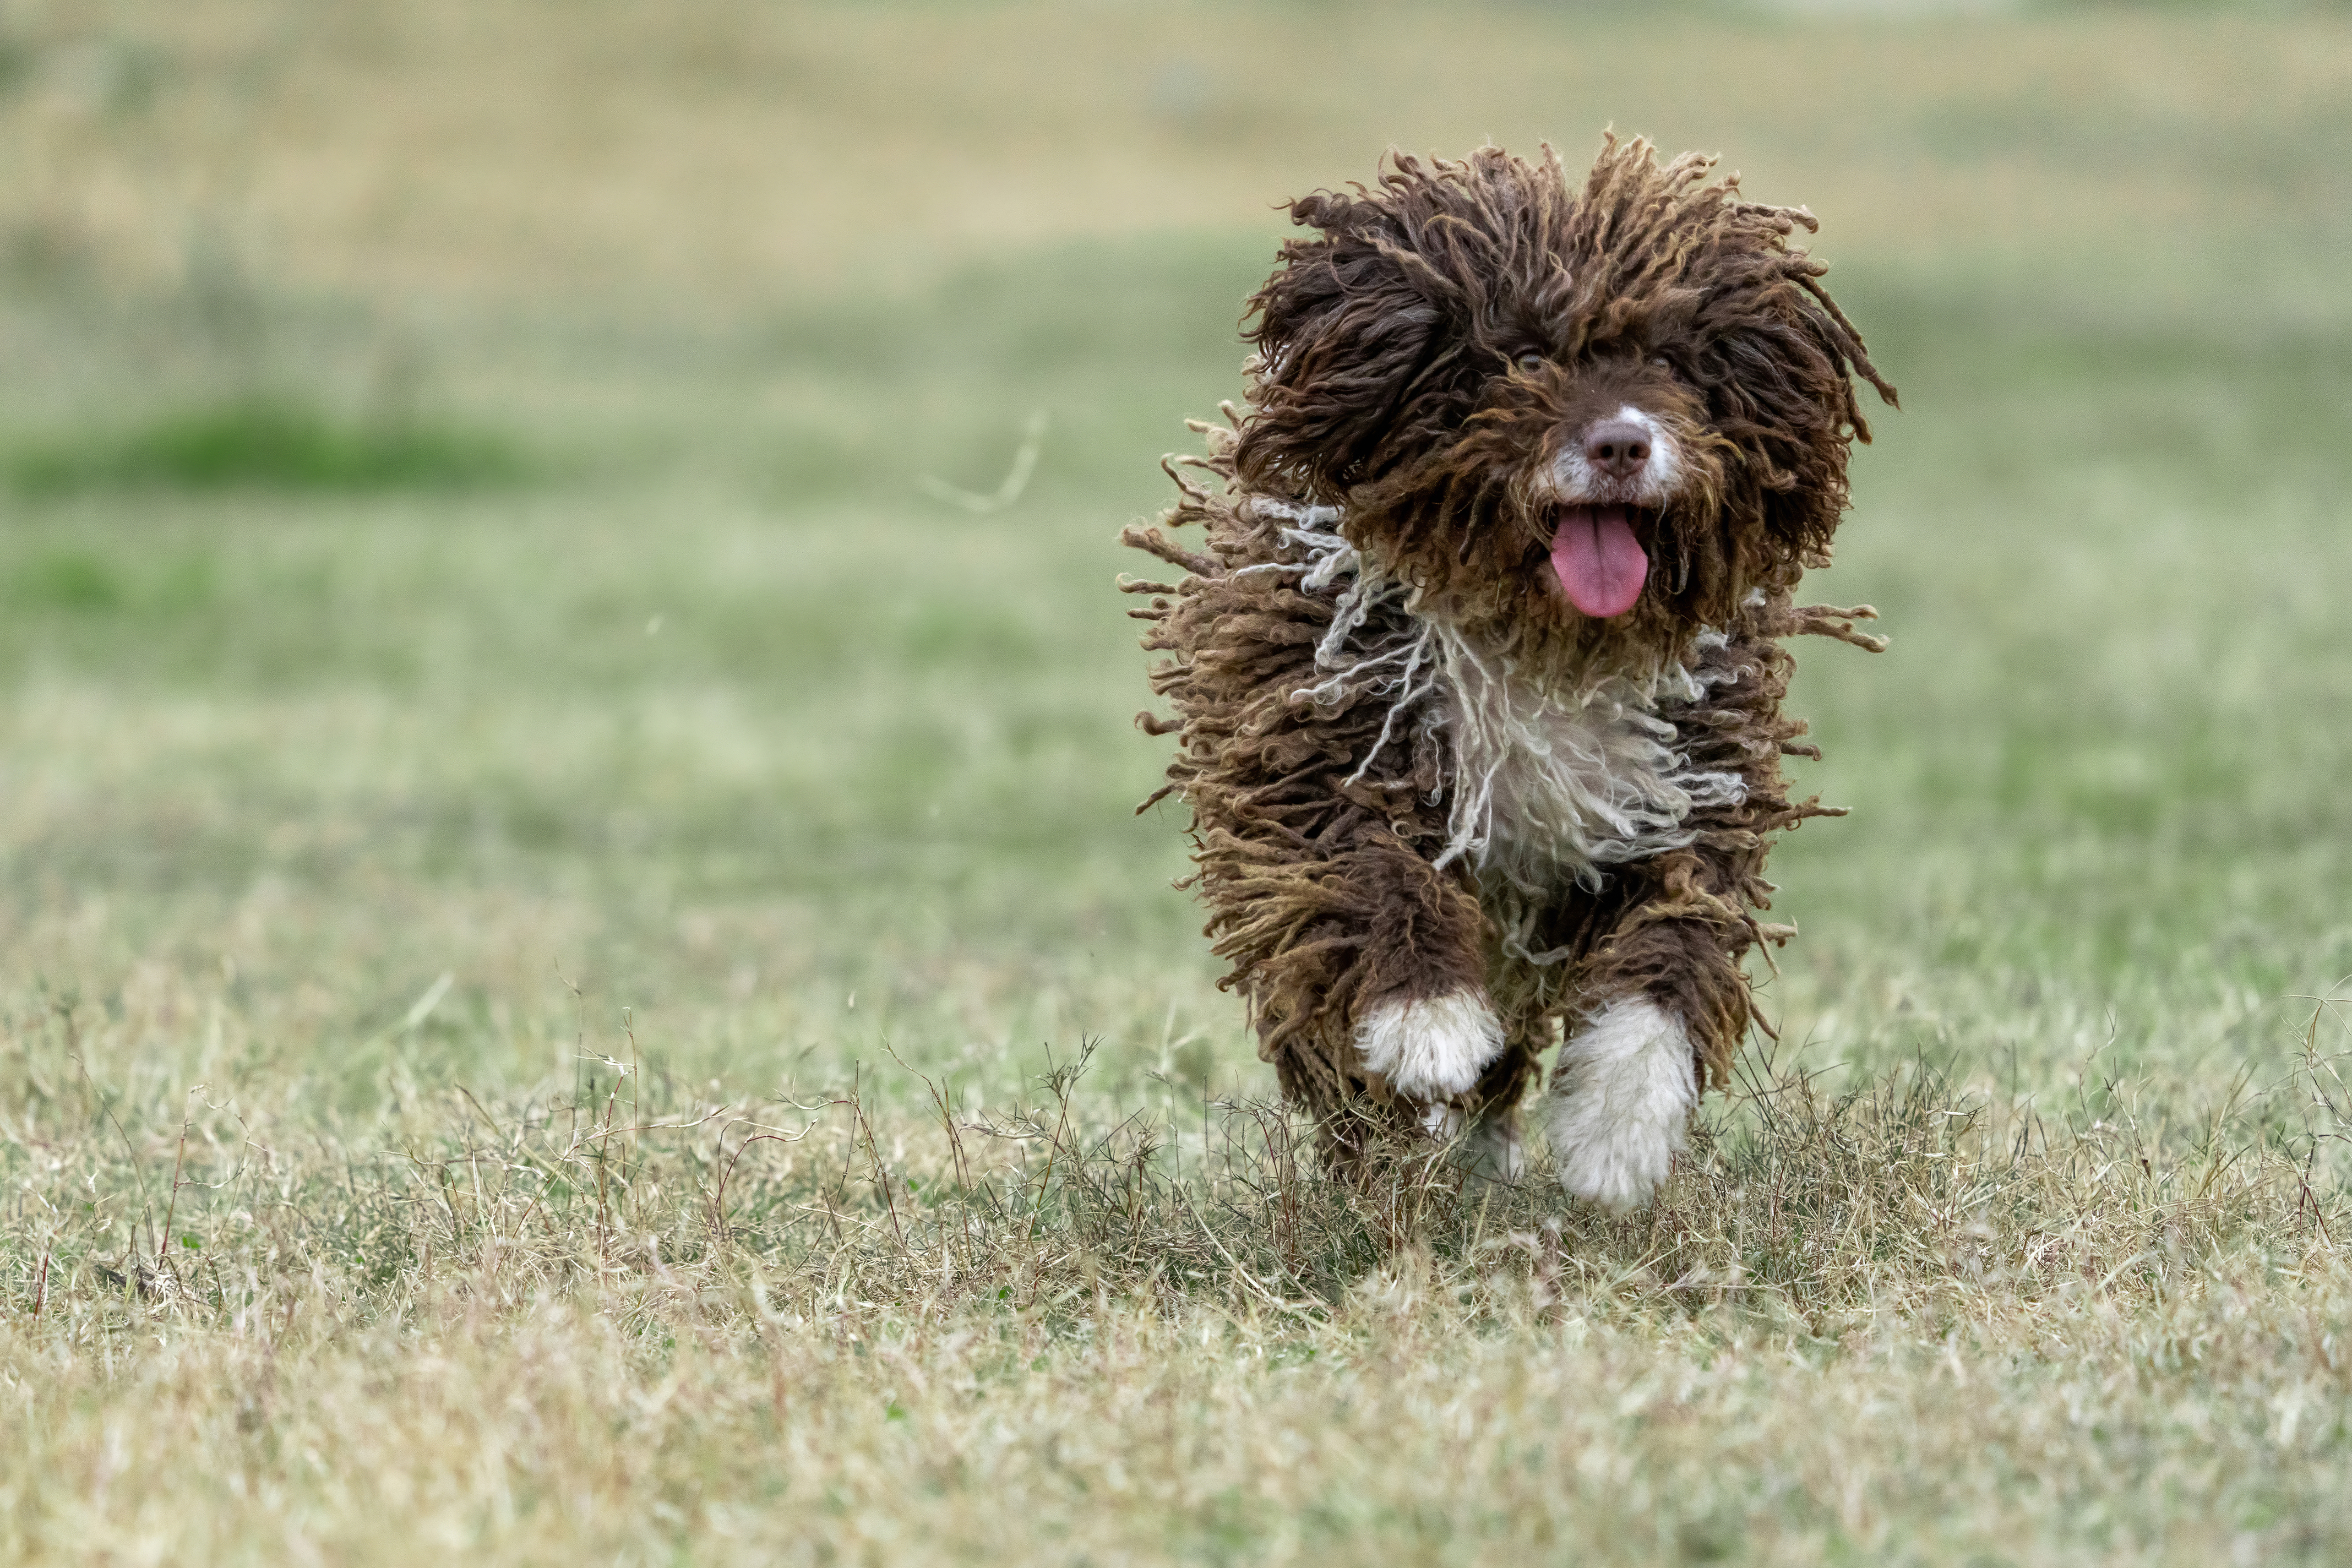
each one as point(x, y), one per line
point(1434, 1048)
point(1621, 1100)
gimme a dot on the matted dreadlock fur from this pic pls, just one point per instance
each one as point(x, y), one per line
point(1421, 770)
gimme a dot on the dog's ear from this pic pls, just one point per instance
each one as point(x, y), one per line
point(1777, 361)
point(1352, 337)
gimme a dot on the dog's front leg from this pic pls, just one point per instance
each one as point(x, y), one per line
point(1424, 1022)
point(1628, 1072)
point(1622, 1094)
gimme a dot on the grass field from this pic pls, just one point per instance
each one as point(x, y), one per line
point(578, 982)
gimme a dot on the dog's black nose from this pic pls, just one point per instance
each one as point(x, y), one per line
point(1617, 447)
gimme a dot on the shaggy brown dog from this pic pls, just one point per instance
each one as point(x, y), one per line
point(1477, 673)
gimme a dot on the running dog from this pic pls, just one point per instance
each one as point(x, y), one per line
point(1477, 671)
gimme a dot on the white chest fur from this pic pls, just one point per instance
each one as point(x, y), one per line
point(1552, 784)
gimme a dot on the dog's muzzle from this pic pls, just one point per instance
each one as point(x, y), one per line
point(1610, 481)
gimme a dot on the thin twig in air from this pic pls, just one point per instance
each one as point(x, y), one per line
point(1024, 463)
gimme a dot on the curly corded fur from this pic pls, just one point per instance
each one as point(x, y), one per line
point(1436, 784)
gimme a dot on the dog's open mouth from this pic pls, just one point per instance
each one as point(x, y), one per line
point(1597, 558)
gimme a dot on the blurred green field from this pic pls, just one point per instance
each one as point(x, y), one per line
point(471, 619)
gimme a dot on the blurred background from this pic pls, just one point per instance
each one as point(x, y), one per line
point(481, 545)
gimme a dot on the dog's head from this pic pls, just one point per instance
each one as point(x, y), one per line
point(1597, 416)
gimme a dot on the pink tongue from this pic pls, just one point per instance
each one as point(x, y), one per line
point(1598, 561)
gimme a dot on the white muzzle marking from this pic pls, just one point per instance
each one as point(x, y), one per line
point(1574, 481)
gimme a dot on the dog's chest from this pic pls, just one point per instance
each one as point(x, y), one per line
point(1549, 786)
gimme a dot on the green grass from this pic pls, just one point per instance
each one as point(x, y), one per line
point(271, 444)
point(508, 945)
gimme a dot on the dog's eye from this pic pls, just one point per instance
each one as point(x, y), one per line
point(1531, 362)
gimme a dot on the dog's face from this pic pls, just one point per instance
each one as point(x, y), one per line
point(1598, 416)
